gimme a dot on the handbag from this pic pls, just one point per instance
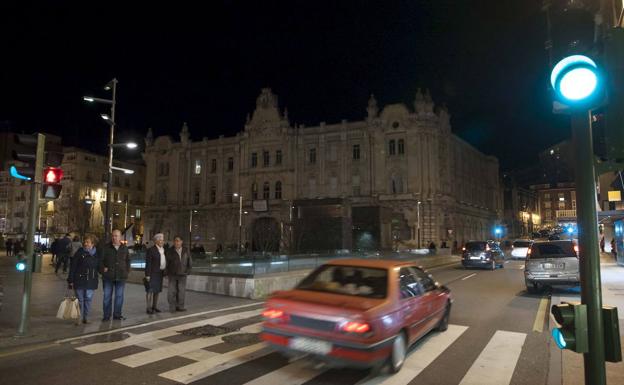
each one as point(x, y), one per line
point(69, 309)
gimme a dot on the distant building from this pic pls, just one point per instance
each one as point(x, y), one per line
point(521, 209)
point(557, 203)
point(397, 179)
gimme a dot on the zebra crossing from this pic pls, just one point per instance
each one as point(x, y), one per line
point(212, 355)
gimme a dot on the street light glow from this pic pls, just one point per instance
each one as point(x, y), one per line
point(131, 145)
point(235, 195)
point(104, 116)
point(88, 99)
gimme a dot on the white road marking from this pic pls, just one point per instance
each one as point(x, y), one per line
point(422, 356)
point(296, 373)
point(135, 339)
point(469, 276)
point(496, 363)
point(213, 365)
point(84, 336)
point(178, 349)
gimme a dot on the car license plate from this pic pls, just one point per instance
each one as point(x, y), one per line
point(553, 265)
point(310, 345)
point(475, 257)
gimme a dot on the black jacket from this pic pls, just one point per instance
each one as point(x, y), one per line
point(177, 265)
point(116, 261)
point(83, 272)
point(152, 261)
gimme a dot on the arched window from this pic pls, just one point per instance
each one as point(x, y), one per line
point(266, 191)
point(278, 190)
point(254, 191)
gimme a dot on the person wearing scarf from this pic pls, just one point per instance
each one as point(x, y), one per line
point(83, 275)
point(155, 264)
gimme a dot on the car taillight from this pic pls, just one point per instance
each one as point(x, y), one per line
point(529, 251)
point(272, 314)
point(576, 249)
point(356, 327)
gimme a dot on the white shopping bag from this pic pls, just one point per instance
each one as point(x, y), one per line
point(69, 309)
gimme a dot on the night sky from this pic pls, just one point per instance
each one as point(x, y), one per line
point(484, 59)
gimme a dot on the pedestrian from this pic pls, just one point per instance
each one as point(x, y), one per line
point(17, 247)
point(83, 275)
point(602, 244)
point(75, 246)
point(53, 250)
point(155, 265)
point(613, 248)
point(9, 247)
point(179, 265)
point(62, 255)
point(114, 267)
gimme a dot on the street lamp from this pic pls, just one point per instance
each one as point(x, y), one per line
point(240, 220)
point(112, 85)
point(418, 222)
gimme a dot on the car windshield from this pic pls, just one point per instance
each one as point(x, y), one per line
point(348, 280)
point(521, 244)
point(552, 250)
point(476, 246)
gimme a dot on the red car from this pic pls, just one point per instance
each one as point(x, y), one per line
point(357, 313)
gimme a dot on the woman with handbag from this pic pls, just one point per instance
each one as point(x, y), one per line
point(83, 275)
point(155, 264)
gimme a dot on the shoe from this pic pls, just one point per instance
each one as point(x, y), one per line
point(84, 321)
point(119, 318)
point(105, 319)
point(156, 310)
point(180, 309)
point(150, 311)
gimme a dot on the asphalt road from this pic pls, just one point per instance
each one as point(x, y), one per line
point(498, 335)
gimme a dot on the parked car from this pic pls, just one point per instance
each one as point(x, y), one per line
point(484, 254)
point(357, 313)
point(520, 248)
point(551, 263)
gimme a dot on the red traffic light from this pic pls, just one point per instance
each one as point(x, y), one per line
point(52, 175)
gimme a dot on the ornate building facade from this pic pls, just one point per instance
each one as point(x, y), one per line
point(397, 179)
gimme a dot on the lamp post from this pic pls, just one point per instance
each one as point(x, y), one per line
point(240, 220)
point(111, 85)
point(418, 222)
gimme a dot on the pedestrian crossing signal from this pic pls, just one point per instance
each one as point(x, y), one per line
point(21, 265)
point(572, 333)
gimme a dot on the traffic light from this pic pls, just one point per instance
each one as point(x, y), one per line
point(51, 187)
point(613, 348)
point(572, 333)
point(21, 264)
point(26, 153)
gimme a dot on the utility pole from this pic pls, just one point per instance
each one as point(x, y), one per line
point(30, 237)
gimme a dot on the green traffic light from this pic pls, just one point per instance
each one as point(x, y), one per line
point(20, 266)
point(572, 335)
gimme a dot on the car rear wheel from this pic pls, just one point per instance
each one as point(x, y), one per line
point(443, 325)
point(397, 355)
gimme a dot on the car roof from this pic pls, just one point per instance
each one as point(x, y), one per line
point(557, 241)
point(372, 263)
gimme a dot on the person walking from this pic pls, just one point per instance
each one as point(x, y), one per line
point(83, 275)
point(62, 255)
point(114, 267)
point(155, 265)
point(613, 248)
point(9, 247)
point(602, 244)
point(179, 265)
point(17, 247)
point(54, 250)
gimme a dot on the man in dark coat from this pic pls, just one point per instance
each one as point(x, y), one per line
point(114, 267)
point(62, 255)
point(179, 265)
point(155, 265)
point(9, 247)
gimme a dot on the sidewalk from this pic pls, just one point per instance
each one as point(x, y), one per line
point(612, 277)
point(48, 290)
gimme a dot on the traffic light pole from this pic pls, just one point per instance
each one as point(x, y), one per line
point(587, 219)
point(30, 237)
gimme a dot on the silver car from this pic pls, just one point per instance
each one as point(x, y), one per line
point(551, 263)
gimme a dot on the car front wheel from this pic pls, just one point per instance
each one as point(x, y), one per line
point(397, 356)
point(443, 325)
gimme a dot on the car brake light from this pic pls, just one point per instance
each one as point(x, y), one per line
point(272, 314)
point(529, 251)
point(356, 327)
point(576, 249)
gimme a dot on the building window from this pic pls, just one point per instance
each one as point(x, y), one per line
point(547, 214)
point(355, 181)
point(230, 164)
point(265, 158)
point(197, 166)
point(163, 169)
point(137, 214)
point(278, 190)
point(396, 184)
point(266, 190)
point(547, 196)
point(333, 184)
point(561, 205)
point(391, 147)
point(213, 166)
point(547, 204)
point(278, 157)
point(228, 191)
point(127, 182)
point(213, 194)
point(356, 152)
point(254, 160)
point(401, 145)
point(254, 191)
point(312, 156)
point(574, 205)
point(312, 191)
